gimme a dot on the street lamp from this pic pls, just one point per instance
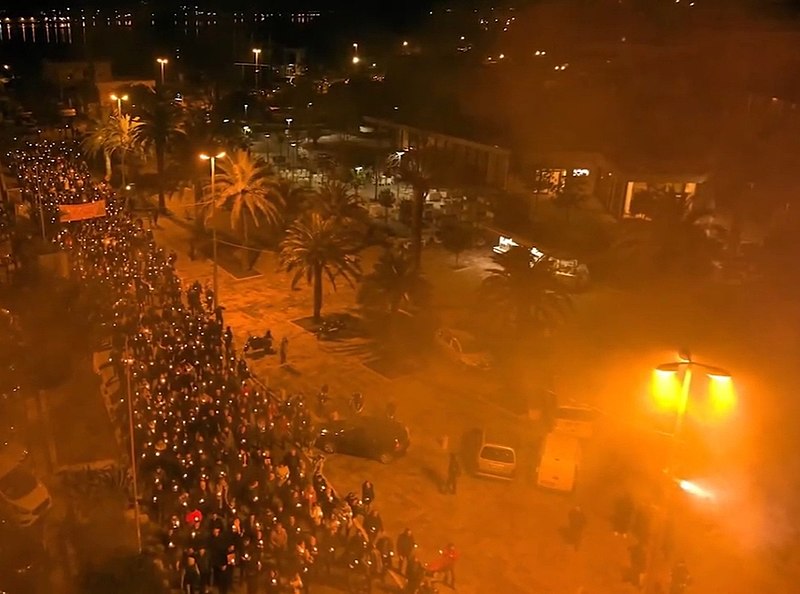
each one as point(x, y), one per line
point(246, 107)
point(256, 54)
point(119, 100)
point(213, 160)
point(673, 389)
point(163, 63)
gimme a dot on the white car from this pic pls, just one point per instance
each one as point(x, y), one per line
point(559, 462)
point(576, 420)
point(462, 347)
point(21, 494)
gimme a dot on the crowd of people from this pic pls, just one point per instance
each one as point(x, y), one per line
point(223, 466)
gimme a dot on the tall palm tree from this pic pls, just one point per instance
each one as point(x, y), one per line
point(394, 286)
point(120, 135)
point(418, 168)
point(162, 124)
point(244, 185)
point(318, 247)
point(96, 143)
point(337, 200)
point(294, 197)
point(671, 238)
point(524, 295)
point(198, 134)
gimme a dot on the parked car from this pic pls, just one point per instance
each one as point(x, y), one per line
point(23, 496)
point(497, 456)
point(576, 420)
point(462, 347)
point(559, 462)
point(368, 437)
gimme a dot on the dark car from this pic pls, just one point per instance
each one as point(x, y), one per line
point(368, 437)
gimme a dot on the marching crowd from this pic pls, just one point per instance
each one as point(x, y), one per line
point(223, 467)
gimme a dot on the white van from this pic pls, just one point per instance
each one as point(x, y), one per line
point(21, 493)
point(497, 457)
point(559, 462)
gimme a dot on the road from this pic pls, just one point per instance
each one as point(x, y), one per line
point(509, 532)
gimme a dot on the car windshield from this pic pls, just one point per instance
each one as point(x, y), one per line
point(496, 454)
point(17, 483)
point(568, 413)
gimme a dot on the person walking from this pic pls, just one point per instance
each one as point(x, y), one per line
point(405, 550)
point(284, 349)
point(191, 582)
point(367, 493)
point(577, 523)
point(453, 472)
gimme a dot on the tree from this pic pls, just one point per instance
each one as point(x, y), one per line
point(198, 134)
point(456, 237)
point(418, 168)
point(670, 238)
point(336, 200)
point(394, 286)
point(96, 143)
point(119, 135)
point(294, 197)
point(162, 124)
point(386, 199)
point(524, 294)
point(318, 247)
point(244, 185)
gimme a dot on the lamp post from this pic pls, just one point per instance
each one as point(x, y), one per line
point(256, 54)
point(134, 472)
point(666, 375)
point(163, 63)
point(119, 99)
point(213, 160)
point(266, 144)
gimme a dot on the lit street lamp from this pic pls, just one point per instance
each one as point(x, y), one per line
point(119, 100)
point(673, 388)
point(163, 63)
point(256, 54)
point(213, 160)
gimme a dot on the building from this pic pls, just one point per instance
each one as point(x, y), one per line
point(488, 163)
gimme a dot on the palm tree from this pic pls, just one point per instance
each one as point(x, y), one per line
point(336, 200)
point(121, 134)
point(162, 124)
point(394, 286)
point(293, 195)
point(198, 134)
point(418, 168)
point(315, 247)
point(669, 237)
point(244, 185)
point(525, 294)
point(96, 143)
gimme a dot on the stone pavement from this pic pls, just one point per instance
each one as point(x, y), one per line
point(509, 534)
point(489, 521)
